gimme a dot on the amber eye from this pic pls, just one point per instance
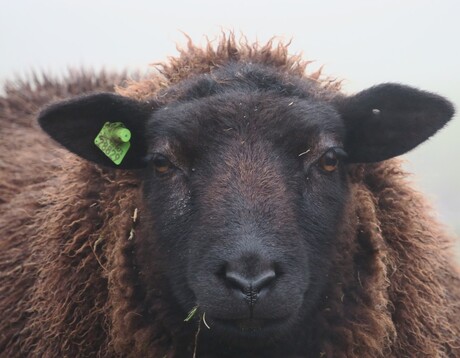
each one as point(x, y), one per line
point(329, 161)
point(161, 164)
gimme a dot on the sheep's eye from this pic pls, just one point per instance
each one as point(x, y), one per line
point(329, 161)
point(161, 164)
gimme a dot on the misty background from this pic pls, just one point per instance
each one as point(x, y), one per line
point(415, 42)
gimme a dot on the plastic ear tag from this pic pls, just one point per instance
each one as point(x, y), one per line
point(113, 140)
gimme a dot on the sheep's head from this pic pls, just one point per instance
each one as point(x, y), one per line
point(246, 185)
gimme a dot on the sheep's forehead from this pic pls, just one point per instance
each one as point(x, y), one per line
point(289, 124)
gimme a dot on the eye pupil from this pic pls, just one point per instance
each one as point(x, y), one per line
point(161, 164)
point(329, 161)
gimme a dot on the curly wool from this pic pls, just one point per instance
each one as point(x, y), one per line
point(70, 286)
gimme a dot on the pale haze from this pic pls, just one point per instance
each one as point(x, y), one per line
point(362, 42)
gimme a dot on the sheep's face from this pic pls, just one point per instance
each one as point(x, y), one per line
point(252, 187)
point(245, 186)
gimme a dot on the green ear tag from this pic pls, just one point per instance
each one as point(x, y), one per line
point(113, 140)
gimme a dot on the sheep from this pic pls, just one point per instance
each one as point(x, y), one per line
point(258, 212)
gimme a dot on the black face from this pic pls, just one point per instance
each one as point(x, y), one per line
point(252, 187)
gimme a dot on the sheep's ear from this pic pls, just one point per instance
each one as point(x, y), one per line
point(76, 123)
point(390, 119)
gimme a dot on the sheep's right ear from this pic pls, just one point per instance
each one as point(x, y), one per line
point(389, 120)
point(75, 124)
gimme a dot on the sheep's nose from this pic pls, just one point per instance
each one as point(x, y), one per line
point(245, 284)
point(249, 284)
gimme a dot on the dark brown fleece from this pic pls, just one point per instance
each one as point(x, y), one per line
point(69, 283)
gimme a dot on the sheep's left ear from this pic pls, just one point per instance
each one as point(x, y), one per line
point(77, 122)
point(389, 120)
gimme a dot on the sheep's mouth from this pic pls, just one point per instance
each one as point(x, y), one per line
point(248, 326)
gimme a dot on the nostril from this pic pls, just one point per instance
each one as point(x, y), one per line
point(263, 280)
point(237, 281)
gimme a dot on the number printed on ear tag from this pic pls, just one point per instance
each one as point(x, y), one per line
point(113, 140)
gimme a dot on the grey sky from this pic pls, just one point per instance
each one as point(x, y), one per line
point(364, 42)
